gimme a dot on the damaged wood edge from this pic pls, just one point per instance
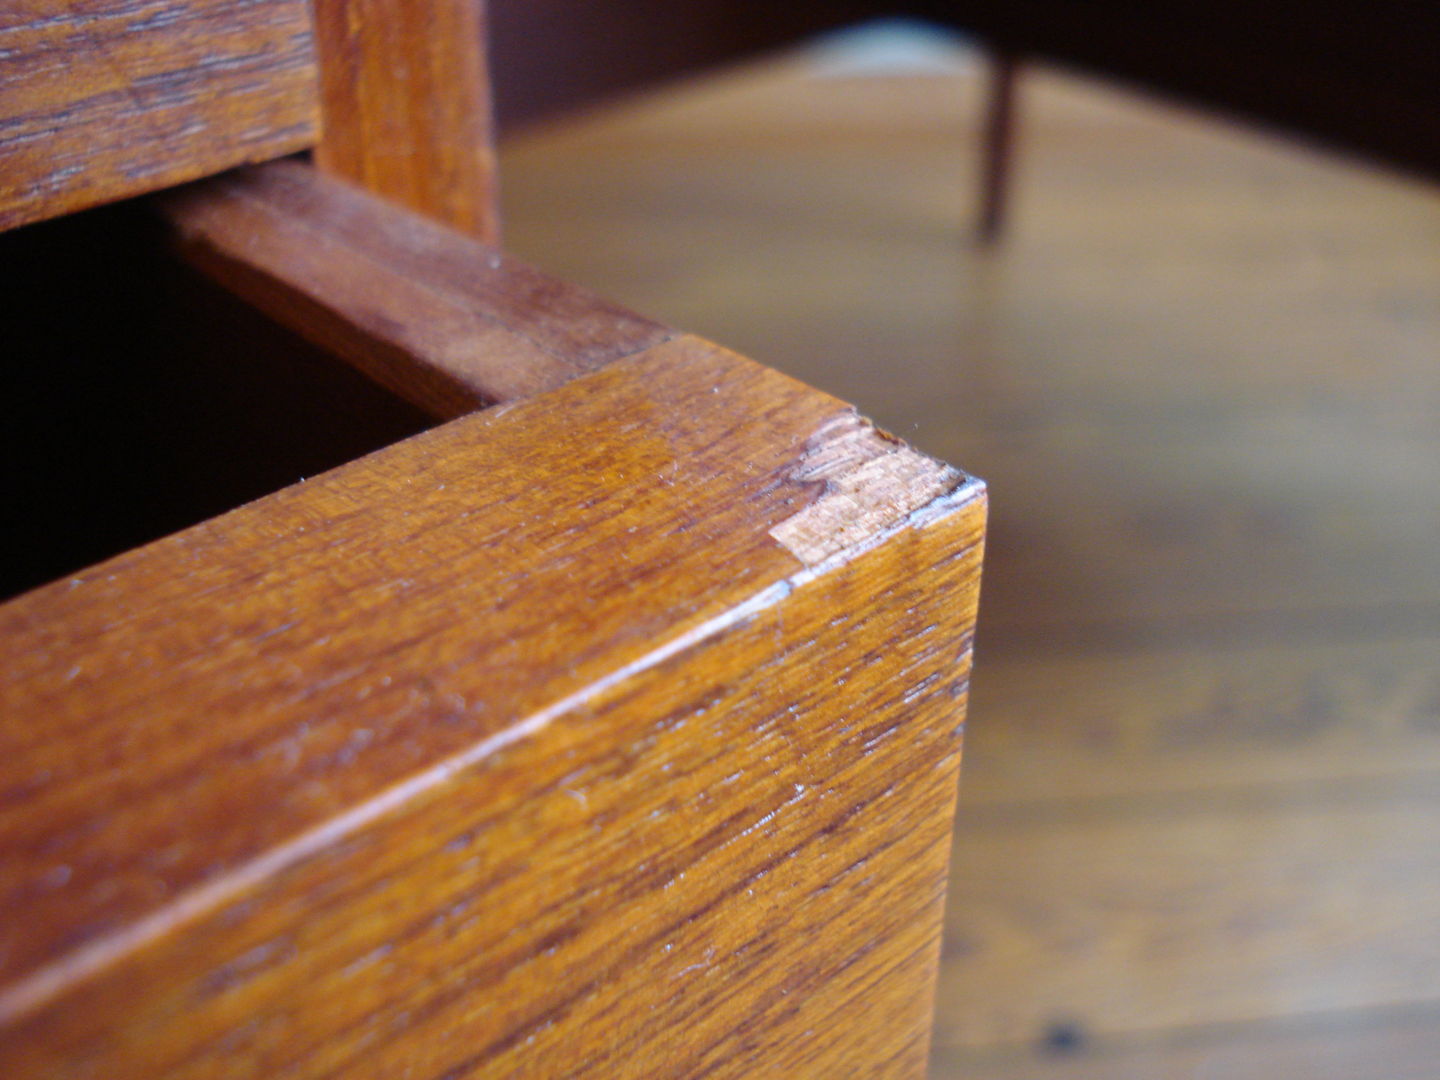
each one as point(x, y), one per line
point(438, 318)
point(870, 483)
point(848, 446)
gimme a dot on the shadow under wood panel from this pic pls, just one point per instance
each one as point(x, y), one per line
point(111, 98)
point(1359, 76)
point(549, 56)
point(443, 320)
point(140, 399)
point(170, 401)
point(613, 732)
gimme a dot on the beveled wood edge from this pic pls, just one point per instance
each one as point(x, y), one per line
point(441, 319)
point(866, 479)
point(38, 989)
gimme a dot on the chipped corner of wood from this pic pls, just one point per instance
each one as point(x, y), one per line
point(871, 484)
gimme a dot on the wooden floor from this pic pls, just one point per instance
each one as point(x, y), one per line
point(1200, 820)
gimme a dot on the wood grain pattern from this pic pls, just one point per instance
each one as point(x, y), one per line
point(1150, 727)
point(105, 99)
point(1204, 745)
point(541, 754)
point(405, 96)
point(1229, 908)
point(444, 321)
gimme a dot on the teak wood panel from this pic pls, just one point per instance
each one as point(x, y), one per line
point(444, 321)
point(405, 95)
point(105, 99)
point(611, 733)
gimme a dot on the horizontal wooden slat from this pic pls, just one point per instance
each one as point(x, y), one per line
point(438, 317)
point(566, 739)
point(105, 99)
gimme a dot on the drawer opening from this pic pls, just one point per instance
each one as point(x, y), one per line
point(141, 399)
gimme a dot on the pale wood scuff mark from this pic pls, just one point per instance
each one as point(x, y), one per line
point(872, 481)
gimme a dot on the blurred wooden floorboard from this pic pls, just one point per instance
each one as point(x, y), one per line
point(1401, 1044)
point(1202, 375)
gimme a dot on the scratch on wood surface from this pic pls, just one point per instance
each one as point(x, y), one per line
point(872, 481)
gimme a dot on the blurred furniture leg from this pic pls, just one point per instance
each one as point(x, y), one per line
point(997, 145)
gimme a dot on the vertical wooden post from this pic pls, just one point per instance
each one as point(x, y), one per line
point(406, 105)
point(997, 144)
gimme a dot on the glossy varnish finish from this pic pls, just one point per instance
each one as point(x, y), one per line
point(556, 741)
point(437, 317)
point(110, 98)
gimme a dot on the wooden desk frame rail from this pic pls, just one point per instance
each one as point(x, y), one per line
point(611, 731)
